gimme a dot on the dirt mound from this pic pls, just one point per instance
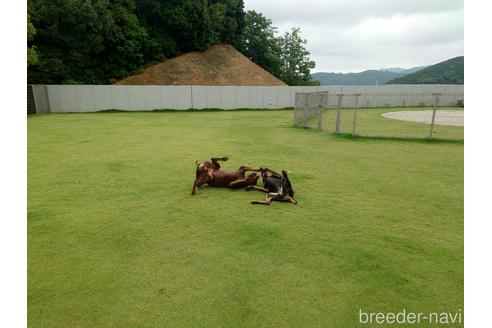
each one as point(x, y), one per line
point(219, 65)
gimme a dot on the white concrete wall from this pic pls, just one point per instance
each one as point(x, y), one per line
point(91, 98)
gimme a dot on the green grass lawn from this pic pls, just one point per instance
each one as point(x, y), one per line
point(116, 240)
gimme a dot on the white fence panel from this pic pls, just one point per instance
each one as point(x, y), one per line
point(102, 97)
point(242, 96)
point(270, 97)
point(120, 98)
point(200, 98)
point(66, 98)
point(86, 99)
point(228, 97)
point(256, 97)
point(176, 97)
point(90, 98)
point(152, 95)
point(136, 96)
point(284, 97)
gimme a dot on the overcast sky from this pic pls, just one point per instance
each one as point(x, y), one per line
point(355, 35)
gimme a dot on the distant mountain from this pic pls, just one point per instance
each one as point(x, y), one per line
point(450, 71)
point(369, 77)
point(400, 70)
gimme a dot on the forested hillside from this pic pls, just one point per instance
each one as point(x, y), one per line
point(403, 70)
point(450, 71)
point(369, 77)
point(101, 41)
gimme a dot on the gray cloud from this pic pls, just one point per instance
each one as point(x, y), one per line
point(354, 35)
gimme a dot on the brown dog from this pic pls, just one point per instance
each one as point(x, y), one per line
point(211, 174)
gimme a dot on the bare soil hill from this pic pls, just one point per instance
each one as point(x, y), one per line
point(220, 65)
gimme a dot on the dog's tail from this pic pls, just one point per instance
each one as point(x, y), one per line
point(285, 177)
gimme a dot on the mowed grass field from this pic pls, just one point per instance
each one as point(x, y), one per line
point(116, 240)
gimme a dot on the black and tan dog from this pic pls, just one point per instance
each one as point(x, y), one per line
point(277, 187)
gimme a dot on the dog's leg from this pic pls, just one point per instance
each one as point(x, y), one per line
point(247, 168)
point(215, 161)
point(237, 182)
point(193, 191)
point(267, 201)
point(197, 184)
point(248, 188)
point(290, 200)
point(199, 181)
point(269, 197)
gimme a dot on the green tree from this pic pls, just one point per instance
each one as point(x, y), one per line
point(259, 43)
point(295, 62)
point(85, 41)
point(32, 56)
point(123, 51)
point(160, 43)
point(285, 57)
point(70, 35)
point(100, 41)
point(233, 21)
point(175, 26)
point(217, 13)
point(189, 24)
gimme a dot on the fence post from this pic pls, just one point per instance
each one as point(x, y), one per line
point(321, 106)
point(306, 104)
point(339, 112)
point(320, 118)
point(436, 103)
point(192, 105)
point(355, 113)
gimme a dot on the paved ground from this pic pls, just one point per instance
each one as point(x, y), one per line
point(443, 117)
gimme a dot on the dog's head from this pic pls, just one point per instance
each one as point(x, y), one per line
point(252, 178)
point(266, 173)
point(203, 169)
point(203, 165)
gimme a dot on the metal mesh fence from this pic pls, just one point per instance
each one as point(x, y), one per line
point(312, 104)
point(404, 115)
